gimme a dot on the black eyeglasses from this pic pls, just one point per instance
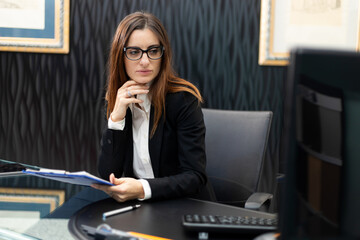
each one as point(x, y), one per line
point(135, 53)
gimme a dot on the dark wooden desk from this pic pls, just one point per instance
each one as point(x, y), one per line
point(161, 218)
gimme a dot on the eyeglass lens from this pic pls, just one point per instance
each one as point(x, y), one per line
point(134, 53)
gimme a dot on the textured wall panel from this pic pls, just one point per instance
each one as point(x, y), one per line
point(52, 105)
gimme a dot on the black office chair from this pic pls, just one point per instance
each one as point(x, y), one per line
point(235, 143)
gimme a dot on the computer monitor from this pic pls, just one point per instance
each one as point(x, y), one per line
point(321, 146)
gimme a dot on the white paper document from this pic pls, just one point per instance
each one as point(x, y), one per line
point(79, 178)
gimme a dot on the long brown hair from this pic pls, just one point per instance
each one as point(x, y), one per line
point(165, 82)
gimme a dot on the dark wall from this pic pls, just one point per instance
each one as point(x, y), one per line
point(52, 104)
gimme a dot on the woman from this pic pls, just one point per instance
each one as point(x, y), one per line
point(153, 146)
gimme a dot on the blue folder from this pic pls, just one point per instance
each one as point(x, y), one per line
point(80, 178)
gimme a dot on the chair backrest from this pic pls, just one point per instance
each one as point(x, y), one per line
point(235, 143)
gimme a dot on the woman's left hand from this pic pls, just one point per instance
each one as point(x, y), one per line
point(125, 189)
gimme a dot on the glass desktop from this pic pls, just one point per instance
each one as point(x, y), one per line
point(27, 204)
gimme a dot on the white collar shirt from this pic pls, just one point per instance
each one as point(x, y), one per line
point(140, 126)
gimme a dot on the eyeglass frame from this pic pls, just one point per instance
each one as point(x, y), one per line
point(145, 51)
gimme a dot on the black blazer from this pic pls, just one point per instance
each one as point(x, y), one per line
point(177, 150)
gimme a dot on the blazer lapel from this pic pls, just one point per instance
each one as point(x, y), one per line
point(155, 142)
point(128, 166)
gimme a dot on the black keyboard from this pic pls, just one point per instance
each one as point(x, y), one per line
point(234, 224)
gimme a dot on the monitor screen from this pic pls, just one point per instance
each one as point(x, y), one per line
point(321, 145)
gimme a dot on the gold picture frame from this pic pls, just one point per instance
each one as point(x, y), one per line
point(285, 24)
point(47, 32)
point(43, 200)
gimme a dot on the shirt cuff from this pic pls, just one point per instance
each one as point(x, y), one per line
point(116, 125)
point(147, 189)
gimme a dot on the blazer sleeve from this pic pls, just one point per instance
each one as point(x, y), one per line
point(116, 149)
point(183, 113)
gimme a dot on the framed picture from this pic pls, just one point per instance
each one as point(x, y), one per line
point(43, 201)
point(35, 26)
point(285, 24)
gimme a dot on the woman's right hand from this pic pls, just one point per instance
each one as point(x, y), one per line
point(126, 95)
point(125, 188)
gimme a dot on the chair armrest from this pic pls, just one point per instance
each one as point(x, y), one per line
point(256, 200)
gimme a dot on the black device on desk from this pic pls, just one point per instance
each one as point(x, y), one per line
point(322, 146)
point(232, 224)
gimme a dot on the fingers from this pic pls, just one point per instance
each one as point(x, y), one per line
point(115, 180)
point(111, 178)
point(118, 181)
point(103, 188)
point(109, 190)
point(126, 95)
point(130, 83)
point(131, 90)
point(124, 189)
point(135, 88)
